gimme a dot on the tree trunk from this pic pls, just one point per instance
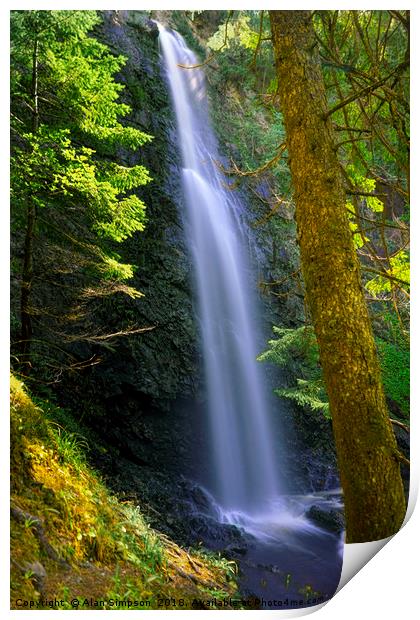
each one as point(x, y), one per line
point(27, 270)
point(367, 453)
point(26, 287)
point(35, 112)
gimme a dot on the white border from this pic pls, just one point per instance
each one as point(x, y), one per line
point(387, 586)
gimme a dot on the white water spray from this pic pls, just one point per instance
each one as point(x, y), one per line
point(244, 454)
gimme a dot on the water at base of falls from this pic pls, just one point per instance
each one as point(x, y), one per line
point(247, 490)
point(285, 560)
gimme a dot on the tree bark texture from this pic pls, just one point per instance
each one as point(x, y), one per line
point(367, 453)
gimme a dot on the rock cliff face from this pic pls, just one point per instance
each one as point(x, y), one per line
point(139, 399)
point(162, 362)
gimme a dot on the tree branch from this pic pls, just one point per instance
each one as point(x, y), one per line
point(257, 48)
point(400, 424)
point(250, 173)
point(385, 274)
point(365, 90)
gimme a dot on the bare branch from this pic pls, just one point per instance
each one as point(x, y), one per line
point(250, 173)
point(365, 91)
point(400, 424)
point(385, 274)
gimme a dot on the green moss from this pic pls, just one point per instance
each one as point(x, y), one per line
point(395, 366)
point(56, 490)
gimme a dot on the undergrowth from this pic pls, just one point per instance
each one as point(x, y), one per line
point(296, 351)
point(71, 539)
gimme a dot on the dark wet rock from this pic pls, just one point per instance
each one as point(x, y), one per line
point(403, 442)
point(214, 534)
point(38, 575)
point(329, 519)
point(236, 549)
point(201, 499)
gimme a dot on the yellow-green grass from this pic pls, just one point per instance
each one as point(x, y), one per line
point(90, 544)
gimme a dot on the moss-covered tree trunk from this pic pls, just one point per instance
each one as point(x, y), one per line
point(366, 448)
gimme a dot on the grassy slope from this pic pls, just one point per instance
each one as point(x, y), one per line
point(67, 524)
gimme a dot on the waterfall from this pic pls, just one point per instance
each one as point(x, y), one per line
point(245, 470)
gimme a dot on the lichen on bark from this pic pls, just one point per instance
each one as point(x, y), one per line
point(366, 447)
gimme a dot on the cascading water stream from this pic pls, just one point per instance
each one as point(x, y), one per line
point(244, 457)
point(247, 490)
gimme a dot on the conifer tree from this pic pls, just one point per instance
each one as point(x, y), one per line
point(366, 448)
point(72, 199)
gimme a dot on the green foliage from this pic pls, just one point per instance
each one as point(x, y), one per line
point(365, 59)
point(293, 346)
point(307, 394)
point(395, 366)
point(358, 240)
point(53, 167)
point(67, 142)
point(84, 522)
point(238, 39)
point(390, 329)
point(399, 268)
point(114, 270)
point(237, 30)
point(359, 48)
point(362, 183)
point(296, 350)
